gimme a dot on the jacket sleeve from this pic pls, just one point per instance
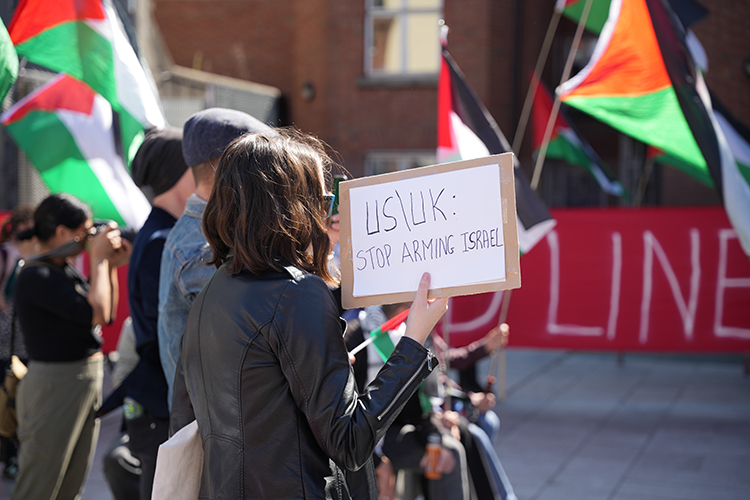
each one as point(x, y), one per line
point(182, 409)
point(307, 336)
point(352, 338)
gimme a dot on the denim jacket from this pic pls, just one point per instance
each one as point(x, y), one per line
point(183, 273)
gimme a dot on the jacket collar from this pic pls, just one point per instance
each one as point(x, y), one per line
point(288, 269)
point(195, 206)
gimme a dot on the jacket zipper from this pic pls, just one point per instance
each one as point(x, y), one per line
point(403, 388)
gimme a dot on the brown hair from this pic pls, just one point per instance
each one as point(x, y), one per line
point(266, 205)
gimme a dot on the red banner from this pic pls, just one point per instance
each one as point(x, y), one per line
point(111, 333)
point(648, 279)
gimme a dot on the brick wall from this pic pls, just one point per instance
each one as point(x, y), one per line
point(246, 39)
point(725, 35)
point(288, 43)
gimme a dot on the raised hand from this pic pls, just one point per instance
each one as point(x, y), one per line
point(424, 314)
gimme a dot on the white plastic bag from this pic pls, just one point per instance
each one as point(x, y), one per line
point(179, 466)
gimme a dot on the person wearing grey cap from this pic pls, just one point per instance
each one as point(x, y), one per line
point(184, 268)
point(158, 167)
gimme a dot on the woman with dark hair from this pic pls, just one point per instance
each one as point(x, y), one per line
point(263, 368)
point(61, 313)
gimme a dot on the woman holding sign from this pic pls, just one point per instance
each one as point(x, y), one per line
point(264, 369)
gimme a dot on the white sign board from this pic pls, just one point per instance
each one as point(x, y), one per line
point(456, 221)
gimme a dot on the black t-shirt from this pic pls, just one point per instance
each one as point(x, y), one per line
point(54, 313)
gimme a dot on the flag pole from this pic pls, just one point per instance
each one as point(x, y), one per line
point(540, 62)
point(556, 105)
point(497, 369)
point(446, 361)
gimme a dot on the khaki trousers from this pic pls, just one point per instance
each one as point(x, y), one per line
point(57, 428)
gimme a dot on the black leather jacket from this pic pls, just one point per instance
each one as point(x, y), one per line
point(265, 372)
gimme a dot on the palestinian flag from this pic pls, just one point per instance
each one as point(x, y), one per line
point(466, 130)
point(736, 176)
point(567, 144)
point(689, 11)
point(8, 62)
point(638, 82)
point(643, 80)
point(65, 128)
point(719, 139)
point(573, 10)
point(85, 39)
point(737, 135)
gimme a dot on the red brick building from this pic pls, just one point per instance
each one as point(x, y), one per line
point(377, 107)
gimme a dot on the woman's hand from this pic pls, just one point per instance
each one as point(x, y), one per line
point(121, 256)
point(482, 401)
point(105, 243)
point(424, 314)
point(497, 338)
point(450, 421)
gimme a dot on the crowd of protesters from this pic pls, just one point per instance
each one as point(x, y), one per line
point(234, 325)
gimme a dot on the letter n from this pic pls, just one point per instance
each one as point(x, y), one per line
point(687, 310)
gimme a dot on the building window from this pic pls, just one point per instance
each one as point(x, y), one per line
point(382, 162)
point(402, 37)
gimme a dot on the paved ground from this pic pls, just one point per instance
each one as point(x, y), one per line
point(582, 426)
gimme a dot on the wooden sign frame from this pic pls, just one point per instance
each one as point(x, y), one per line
point(510, 232)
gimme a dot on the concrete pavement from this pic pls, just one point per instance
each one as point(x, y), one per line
point(581, 426)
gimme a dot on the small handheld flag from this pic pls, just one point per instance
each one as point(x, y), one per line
point(391, 324)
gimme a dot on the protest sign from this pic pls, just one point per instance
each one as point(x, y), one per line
point(456, 221)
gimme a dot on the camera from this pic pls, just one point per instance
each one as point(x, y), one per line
point(126, 232)
point(75, 246)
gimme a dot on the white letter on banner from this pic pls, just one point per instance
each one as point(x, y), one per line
point(722, 283)
point(554, 292)
point(614, 294)
point(651, 246)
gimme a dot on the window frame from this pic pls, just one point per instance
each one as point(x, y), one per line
point(402, 12)
point(402, 156)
